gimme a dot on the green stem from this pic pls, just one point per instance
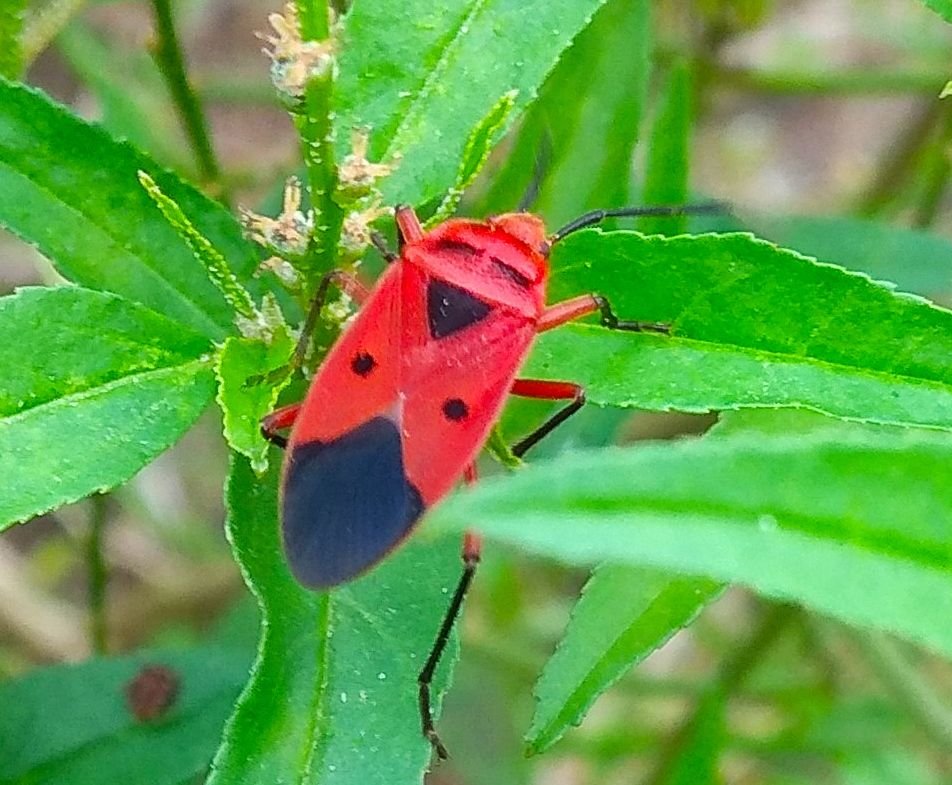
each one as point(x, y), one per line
point(317, 141)
point(846, 83)
point(937, 167)
point(902, 159)
point(229, 91)
point(171, 62)
point(730, 676)
point(43, 25)
point(910, 689)
point(98, 574)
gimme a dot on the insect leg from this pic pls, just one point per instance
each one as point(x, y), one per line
point(278, 419)
point(344, 281)
point(548, 391)
point(567, 310)
point(380, 243)
point(472, 546)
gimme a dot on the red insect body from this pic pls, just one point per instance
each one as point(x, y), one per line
point(433, 353)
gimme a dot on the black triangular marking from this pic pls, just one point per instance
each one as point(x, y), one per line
point(449, 308)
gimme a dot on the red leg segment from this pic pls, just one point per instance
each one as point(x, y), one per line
point(472, 542)
point(548, 391)
point(568, 310)
point(278, 420)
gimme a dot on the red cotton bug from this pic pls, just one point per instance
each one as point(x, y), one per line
point(405, 400)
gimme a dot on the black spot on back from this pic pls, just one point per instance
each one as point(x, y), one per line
point(363, 363)
point(346, 503)
point(449, 308)
point(511, 272)
point(455, 409)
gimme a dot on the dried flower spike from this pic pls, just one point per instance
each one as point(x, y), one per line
point(355, 233)
point(294, 61)
point(289, 233)
point(356, 175)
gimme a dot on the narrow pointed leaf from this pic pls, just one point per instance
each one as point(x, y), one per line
point(106, 386)
point(752, 325)
point(421, 74)
point(243, 404)
point(11, 27)
point(942, 7)
point(478, 147)
point(333, 691)
point(583, 127)
point(623, 615)
point(874, 549)
point(69, 189)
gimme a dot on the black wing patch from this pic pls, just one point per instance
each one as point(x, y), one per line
point(346, 503)
point(449, 308)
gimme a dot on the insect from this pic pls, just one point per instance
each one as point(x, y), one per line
point(406, 398)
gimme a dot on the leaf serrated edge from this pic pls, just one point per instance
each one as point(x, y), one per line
point(574, 709)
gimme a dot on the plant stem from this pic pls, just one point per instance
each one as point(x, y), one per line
point(317, 141)
point(909, 688)
point(43, 25)
point(98, 574)
point(732, 673)
point(847, 83)
point(171, 62)
point(901, 161)
point(938, 167)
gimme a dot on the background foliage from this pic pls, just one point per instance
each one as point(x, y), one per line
point(765, 492)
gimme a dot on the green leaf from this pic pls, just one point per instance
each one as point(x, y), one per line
point(11, 27)
point(623, 615)
point(914, 259)
point(333, 692)
point(752, 326)
point(243, 404)
point(667, 168)
point(71, 723)
point(478, 146)
point(204, 252)
point(94, 388)
point(873, 549)
point(130, 93)
point(69, 189)
point(588, 112)
point(942, 7)
point(421, 74)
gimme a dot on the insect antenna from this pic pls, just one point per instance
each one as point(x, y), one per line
point(597, 216)
point(541, 168)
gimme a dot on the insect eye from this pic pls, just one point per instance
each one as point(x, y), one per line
point(455, 409)
point(363, 363)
